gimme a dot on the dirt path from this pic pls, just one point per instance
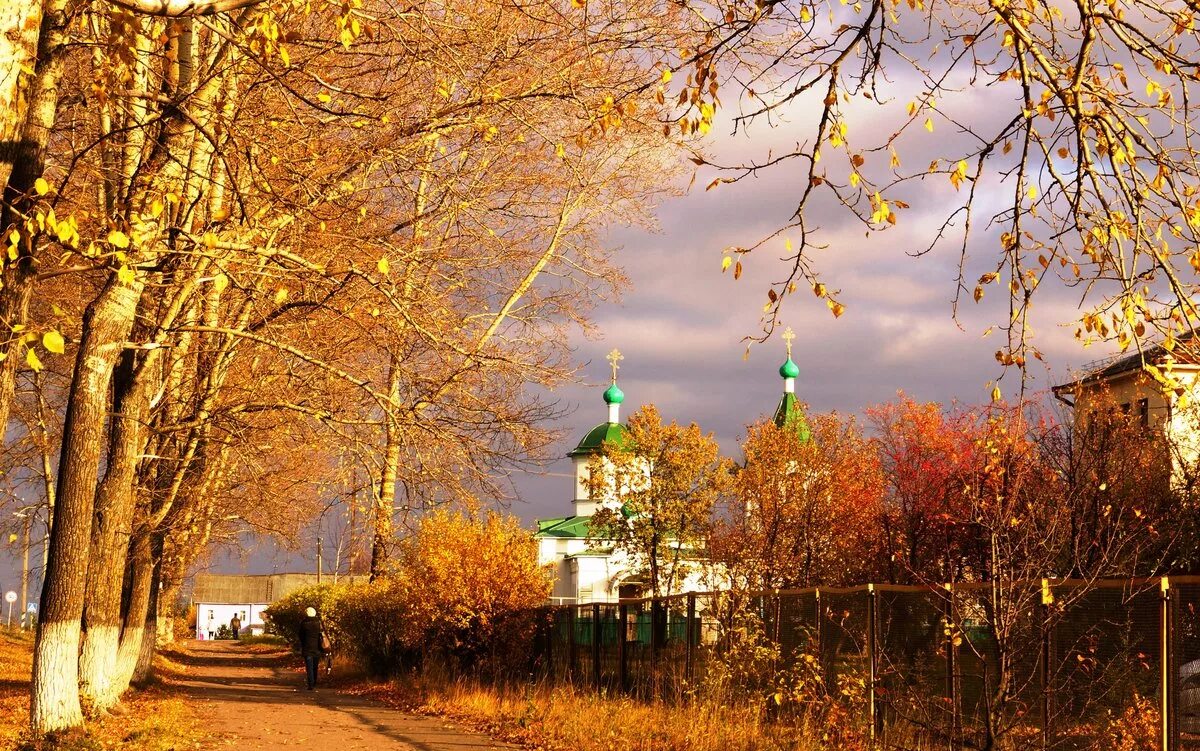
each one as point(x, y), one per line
point(258, 701)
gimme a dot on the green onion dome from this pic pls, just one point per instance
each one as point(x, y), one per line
point(789, 369)
point(614, 395)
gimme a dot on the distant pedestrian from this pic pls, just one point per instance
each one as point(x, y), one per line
point(235, 625)
point(312, 646)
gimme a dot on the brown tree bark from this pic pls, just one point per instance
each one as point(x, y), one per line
point(55, 684)
point(147, 643)
point(111, 531)
point(136, 627)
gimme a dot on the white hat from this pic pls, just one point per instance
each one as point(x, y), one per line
point(311, 612)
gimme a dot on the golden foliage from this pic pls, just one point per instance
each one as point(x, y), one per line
point(803, 512)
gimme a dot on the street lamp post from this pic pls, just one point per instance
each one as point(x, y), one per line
point(26, 530)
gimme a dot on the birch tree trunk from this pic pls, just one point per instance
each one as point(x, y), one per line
point(385, 502)
point(24, 140)
point(20, 24)
point(55, 683)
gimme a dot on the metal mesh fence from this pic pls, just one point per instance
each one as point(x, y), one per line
point(1064, 665)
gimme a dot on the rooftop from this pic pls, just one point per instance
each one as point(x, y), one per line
point(1184, 352)
point(564, 526)
point(606, 432)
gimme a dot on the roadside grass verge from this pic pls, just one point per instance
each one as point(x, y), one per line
point(271, 640)
point(149, 719)
point(562, 718)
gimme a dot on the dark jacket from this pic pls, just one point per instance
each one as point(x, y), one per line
point(310, 636)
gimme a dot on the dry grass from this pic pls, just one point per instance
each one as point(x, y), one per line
point(16, 660)
point(562, 718)
point(150, 719)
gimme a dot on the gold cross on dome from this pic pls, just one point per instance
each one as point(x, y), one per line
point(788, 336)
point(613, 358)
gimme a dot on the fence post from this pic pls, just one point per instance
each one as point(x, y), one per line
point(689, 663)
point(821, 639)
point(951, 665)
point(549, 626)
point(622, 647)
point(596, 633)
point(1047, 649)
point(656, 622)
point(572, 643)
point(872, 698)
point(1167, 665)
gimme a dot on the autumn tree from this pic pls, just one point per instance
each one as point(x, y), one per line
point(1049, 143)
point(661, 486)
point(926, 455)
point(216, 343)
point(803, 511)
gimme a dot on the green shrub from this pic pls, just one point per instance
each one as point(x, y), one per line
point(382, 624)
point(284, 616)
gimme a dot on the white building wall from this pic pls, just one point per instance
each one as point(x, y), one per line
point(211, 616)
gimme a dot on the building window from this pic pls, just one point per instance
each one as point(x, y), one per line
point(1125, 408)
point(1144, 412)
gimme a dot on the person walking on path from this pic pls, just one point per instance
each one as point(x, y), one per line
point(235, 625)
point(312, 646)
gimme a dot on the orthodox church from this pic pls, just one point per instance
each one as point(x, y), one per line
point(592, 571)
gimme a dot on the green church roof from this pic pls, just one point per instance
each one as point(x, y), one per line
point(605, 432)
point(564, 526)
point(789, 415)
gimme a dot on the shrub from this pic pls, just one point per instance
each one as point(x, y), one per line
point(455, 581)
point(383, 624)
point(473, 571)
point(284, 616)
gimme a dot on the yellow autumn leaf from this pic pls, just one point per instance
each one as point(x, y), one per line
point(285, 57)
point(725, 263)
point(53, 342)
point(281, 294)
point(125, 275)
point(666, 76)
point(324, 98)
point(118, 239)
point(854, 179)
point(929, 124)
point(32, 360)
point(383, 266)
point(41, 187)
